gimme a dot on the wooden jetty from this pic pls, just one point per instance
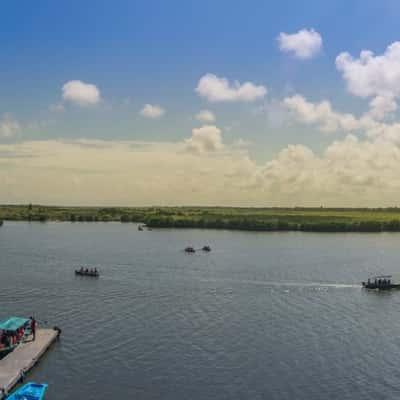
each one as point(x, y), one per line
point(15, 365)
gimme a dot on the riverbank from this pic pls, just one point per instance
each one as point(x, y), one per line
point(250, 219)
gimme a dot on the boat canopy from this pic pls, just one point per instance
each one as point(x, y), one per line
point(13, 323)
point(382, 277)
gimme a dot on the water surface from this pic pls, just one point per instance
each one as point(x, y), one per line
point(263, 316)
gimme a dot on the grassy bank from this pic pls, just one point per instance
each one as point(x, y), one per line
point(252, 219)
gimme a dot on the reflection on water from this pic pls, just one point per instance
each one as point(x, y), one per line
point(264, 315)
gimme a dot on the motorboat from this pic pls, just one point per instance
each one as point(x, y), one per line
point(380, 282)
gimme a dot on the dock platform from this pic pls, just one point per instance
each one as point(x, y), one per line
point(15, 365)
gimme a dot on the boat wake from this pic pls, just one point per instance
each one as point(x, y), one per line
point(288, 284)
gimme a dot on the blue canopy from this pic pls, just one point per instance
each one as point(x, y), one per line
point(13, 323)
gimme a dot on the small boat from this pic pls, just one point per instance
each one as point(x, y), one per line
point(206, 248)
point(190, 249)
point(30, 391)
point(381, 282)
point(140, 228)
point(85, 272)
point(13, 332)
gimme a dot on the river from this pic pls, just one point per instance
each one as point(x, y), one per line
point(262, 316)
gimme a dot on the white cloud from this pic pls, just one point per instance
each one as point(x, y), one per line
point(380, 106)
point(349, 172)
point(320, 114)
point(74, 172)
point(306, 43)
point(216, 89)
point(205, 139)
point(152, 111)
point(205, 116)
point(373, 76)
point(325, 118)
point(81, 93)
point(8, 126)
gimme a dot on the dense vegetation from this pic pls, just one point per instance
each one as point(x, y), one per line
point(252, 219)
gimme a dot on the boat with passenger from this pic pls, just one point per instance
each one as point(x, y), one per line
point(30, 391)
point(380, 282)
point(190, 249)
point(206, 248)
point(13, 332)
point(93, 272)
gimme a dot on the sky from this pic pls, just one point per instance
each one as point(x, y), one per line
point(245, 103)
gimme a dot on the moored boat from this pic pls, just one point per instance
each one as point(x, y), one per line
point(30, 391)
point(382, 282)
point(13, 332)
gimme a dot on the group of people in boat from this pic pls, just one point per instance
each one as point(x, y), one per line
point(88, 271)
point(9, 339)
point(379, 282)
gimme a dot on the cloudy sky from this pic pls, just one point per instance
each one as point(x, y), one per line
point(244, 103)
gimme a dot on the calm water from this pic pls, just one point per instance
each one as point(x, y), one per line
point(263, 316)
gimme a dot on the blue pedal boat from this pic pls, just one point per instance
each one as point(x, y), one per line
point(30, 391)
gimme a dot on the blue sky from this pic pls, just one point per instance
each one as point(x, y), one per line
point(155, 53)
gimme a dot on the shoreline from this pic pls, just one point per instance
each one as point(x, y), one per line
point(224, 218)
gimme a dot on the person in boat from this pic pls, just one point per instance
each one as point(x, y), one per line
point(33, 328)
point(86, 270)
point(81, 270)
point(95, 271)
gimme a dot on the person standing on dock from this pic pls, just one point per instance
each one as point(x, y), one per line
point(33, 328)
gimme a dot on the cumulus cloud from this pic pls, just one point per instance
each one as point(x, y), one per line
point(216, 89)
point(349, 172)
point(81, 93)
point(205, 116)
point(304, 44)
point(371, 75)
point(376, 76)
point(205, 139)
point(9, 126)
point(137, 173)
point(380, 106)
point(320, 114)
point(152, 111)
point(325, 118)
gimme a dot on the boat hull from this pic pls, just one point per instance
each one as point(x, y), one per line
point(373, 286)
point(8, 350)
point(91, 274)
